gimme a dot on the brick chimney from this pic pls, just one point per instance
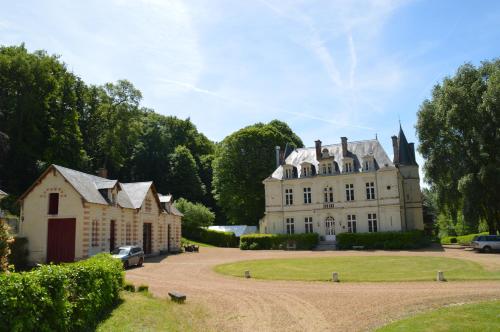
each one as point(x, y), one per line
point(344, 146)
point(102, 172)
point(395, 148)
point(318, 150)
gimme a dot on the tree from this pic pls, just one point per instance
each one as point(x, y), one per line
point(459, 132)
point(5, 240)
point(184, 179)
point(242, 161)
point(195, 214)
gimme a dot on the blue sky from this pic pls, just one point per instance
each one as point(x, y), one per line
point(327, 68)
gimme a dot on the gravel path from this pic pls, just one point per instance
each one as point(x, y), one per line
point(237, 304)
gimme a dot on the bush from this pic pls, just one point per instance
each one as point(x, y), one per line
point(215, 238)
point(64, 297)
point(19, 253)
point(143, 288)
point(196, 215)
point(464, 240)
point(5, 240)
point(383, 240)
point(129, 287)
point(278, 241)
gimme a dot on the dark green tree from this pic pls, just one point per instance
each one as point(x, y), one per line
point(184, 179)
point(242, 161)
point(459, 132)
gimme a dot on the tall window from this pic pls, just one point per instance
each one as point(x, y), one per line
point(329, 168)
point(324, 168)
point(307, 196)
point(349, 192)
point(351, 223)
point(308, 221)
point(290, 226)
point(372, 223)
point(128, 234)
point(348, 167)
point(328, 195)
point(370, 190)
point(95, 233)
point(288, 173)
point(53, 203)
point(288, 196)
point(306, 171)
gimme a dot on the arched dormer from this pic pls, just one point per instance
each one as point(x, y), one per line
point(347, 165)
point(368, 163)
point(289, 172)
point(307, 169)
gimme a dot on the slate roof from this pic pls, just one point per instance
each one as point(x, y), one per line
point(84, 184)
point(357, 150)
point(170, 207)
point(136, 192)
point(404, 151)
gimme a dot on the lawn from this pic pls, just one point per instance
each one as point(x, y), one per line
point(201, 244)
point(142, 312)
point(481, 317)
point(360, 268)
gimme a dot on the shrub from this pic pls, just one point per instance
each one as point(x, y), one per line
point(195, 214)
point(129, 287)
point(19, 253)
point(278, 241)
point(383, 240)
point(5, 240)
point(64, 297)
point(463, 240)
point(215, 238)
point(143, 288)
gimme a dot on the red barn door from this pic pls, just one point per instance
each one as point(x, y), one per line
point(61, 240)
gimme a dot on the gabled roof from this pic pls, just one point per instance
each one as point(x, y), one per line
point(357, 150)
point(136, 192)
point(84, 184)
point(169, 206)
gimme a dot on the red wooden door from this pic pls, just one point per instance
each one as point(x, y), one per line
point(61, 240)
point(112, 236)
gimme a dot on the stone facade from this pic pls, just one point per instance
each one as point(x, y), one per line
point(346, 187)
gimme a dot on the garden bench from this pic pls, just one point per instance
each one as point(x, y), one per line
point(358, 247)
point(177, 297)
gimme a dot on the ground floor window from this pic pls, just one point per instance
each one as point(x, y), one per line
point(372, 223)
point(351, 223)
point(290, 227)
point(308, 221)
point(95, 233)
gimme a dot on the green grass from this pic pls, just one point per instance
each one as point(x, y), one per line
point(481, 317)
point(142, 312)
point(360, 268)
point(188, 241)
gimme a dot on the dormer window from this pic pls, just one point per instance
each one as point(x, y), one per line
point(368, 163)
point(325, 153)
point(288, 173)
point(306, 170)
point(348, 167)
point(327, 168)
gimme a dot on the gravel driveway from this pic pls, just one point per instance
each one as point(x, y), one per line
point(237, 304)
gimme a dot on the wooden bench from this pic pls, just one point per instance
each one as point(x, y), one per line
point(177, 297)
point(358, 247)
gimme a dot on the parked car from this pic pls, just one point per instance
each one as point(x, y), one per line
point(130, 255)
point(486, 243)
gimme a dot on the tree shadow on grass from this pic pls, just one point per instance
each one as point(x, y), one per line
point(105, 314)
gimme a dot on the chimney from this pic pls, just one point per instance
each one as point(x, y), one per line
point(395, 148)
point(411, 146)
point(278, 157)
point(344, 146)
point(102, 172)
point(318, 150)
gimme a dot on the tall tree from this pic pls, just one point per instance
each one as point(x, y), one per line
point(185, 181)
point(242, 161)
point(459, 131)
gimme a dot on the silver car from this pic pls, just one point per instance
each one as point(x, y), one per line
point(130, 255)
point(486, 243)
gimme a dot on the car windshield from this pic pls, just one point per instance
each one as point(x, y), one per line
point(121, 251)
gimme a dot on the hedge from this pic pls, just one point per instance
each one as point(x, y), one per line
point(383, 240)
point(463, 240)
point(279, 241)
point(68, 297)
point(215, 238)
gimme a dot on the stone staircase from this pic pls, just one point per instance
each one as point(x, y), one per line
point(326, 246)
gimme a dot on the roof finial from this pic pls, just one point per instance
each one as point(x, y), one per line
point(376, 137)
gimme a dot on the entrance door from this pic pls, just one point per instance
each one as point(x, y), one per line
point(146, 238)
point(112, 236)
point(61, 240)
point(330, 229)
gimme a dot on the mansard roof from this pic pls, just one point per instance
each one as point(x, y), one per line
point(357, 150)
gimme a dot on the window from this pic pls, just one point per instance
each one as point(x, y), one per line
point(288, 196)
point(306, 171)
point(324, 169)
point(95, 233)
point(351, 223)
point(328, 194)
point(128, 234)
point(370, 190)
point(329, 168)
point(288, 173)
point(349, 192)
point(308, 221)
point(290, 227)
point(307, 196)
point(53, 203)
point(348, 167)
point(372, 222)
